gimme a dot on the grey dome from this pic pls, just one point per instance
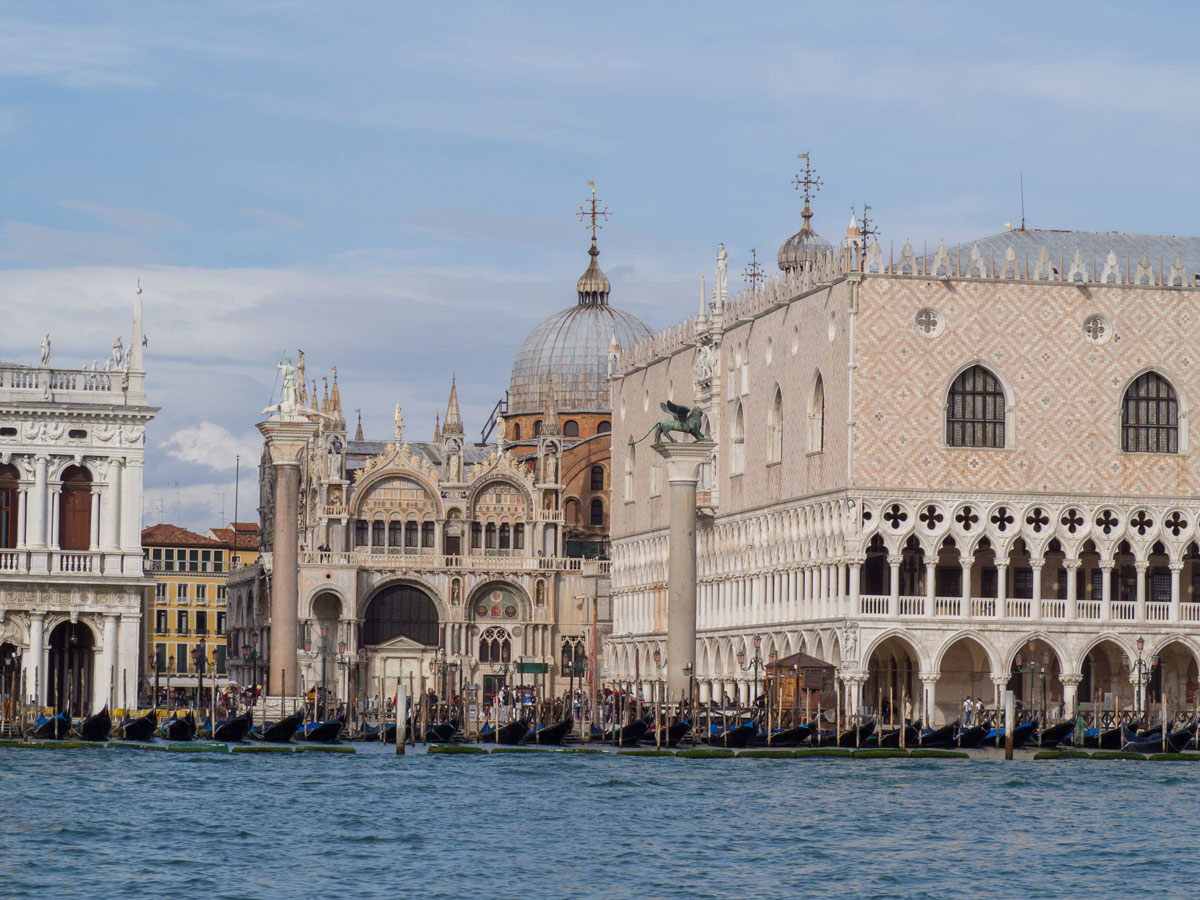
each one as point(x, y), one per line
point(803, 247)
point(572, 345)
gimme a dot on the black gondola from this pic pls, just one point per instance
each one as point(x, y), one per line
point(938, 738)
point(789, 737)
point(97, 727)
point(1056, 734)
point(180, 729)
point(233, 730)
point(629, 735)
point(971, 737)
point(672, 734)
point(851, 737)
point(1154, 743)
point(140, 729)
point(52, 728)
point(891, 739)
point(438, 734)
point(738, 736)
point(551, 734)
point(1108, 739)
point(323, 732)
point(284, 730)
point(1021, 735)
point(506, 734)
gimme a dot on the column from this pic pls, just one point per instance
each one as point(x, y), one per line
point(1176, 568)
point(967, 563)
point(930, 589)
point(1141, 566)
point(105, 693)
point(1070, 568)
point(929, 702)
point(36, 529)
point(22, 506)
point(683, 469)
point(1070, 682)
point(999, 683)
point(286, 441)
point(841, 590)
point(894, 584)
point(94, 525)
point(1106, 566)
point(1001, 586)
point(110, 524)
point(35, 677)
point(855, 581)
point(52, 520)
point(1036, 603)
point(130, 515)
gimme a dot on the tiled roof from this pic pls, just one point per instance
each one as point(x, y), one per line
point(247, 536)
point(174, 536)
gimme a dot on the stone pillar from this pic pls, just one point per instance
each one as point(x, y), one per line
point(22, 505)
point(110, 523)
point(931, 589)
point(1070, 568)
point(1036, 603)
point(1001, 586)
point(841, 591)
point(1070, 682)
point(131, 515)
point(683, 469)
point(286, 442)
point(35, 677)
point(1176, 568)
point(855, 581)
point(929, 701)
point(1106, 567)
point(1140, 610)
point(105, 692)
point(999, 682)
point(894, 584)
point(35, 534)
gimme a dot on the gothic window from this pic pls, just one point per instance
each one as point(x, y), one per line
point(570, 428)
point(495, 646)
point(738, 463)
point(597, 512)
point(775, 428)
point(816, 417)
point(8, 506)
point(975, 410)
point(516, 433)
point(75, 516)
point(574, 656)
point(1150, 416)
point(604, 428)
point(597, 478)
point(427, 534)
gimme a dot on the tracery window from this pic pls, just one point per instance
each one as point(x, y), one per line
point(1150, 416)
point(975, 410)
point(495, 646)
point(738, 463)
point(816, 417)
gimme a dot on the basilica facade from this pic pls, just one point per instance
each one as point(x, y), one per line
point(947, 472)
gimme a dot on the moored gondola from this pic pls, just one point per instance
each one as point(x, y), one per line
point(141, 728)
point(1175, 742)
point(938, 738)
point(438, 734)
point(180, 728)
point(971, 737)
point(283, 730)
point(788, 737)
point(1106, 739)
point(851, 737)
point(506, 734)
point(551, 734)
point(323, 732)
point(96, 727)
point(891, 739)
point(1021, 735)
point(738, 736)
point(1051, 737)
point(233, 730)
point(671, 734)
point(52, 728)
point(628, 735)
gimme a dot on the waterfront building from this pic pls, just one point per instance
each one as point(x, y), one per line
point(187, 609)
point(72, 444)
point(948, 473)
point(451, 562)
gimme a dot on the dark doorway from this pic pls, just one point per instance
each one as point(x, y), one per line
point(69, 669)
point(401, 611)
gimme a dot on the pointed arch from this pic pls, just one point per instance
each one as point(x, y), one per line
point(1150, 415)
point(976, 409)
point(816, 415)
point(775, 428)
point(737, 464)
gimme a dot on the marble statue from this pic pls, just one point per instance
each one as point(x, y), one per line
point(288, 406)
point(303, 385)
point(46, 350)
point(721, 289)
point(118, 353)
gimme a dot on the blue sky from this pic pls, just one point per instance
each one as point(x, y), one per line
point(391, 186)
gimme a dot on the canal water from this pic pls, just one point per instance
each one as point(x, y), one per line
point(120, 823)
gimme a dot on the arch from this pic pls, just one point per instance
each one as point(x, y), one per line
point(816, 415)
point(973, 637)
point(495, 645)
point(75, 509)
point(1038, 637)
point(596, 475)
point(596, 513)
point(10, 480)
point(516, 432)
point(401, 609)
point(570, 428)
point(976, 409)
point(1175, 679)
point(389, 485)
point(737, 463)
point(775, 428)
point(1150, 415)
point(513, 487)
point(322, 593)
point(604, 427)
point(495, 598)
point(1099, 665)
point(69, 669)
point(893, 666)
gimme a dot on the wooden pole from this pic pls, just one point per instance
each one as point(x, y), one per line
point(401, 737)
point(1009, 722)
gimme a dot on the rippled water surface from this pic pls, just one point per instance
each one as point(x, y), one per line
point(121, 823)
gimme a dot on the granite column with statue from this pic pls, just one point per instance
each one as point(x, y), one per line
point(683, 470)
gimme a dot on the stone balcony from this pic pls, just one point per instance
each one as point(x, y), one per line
point(1015, 609)
point(68, 563)
point(371, 559)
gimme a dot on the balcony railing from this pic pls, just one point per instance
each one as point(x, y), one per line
point(875, 605)
point(1124, 611)
point(76, 562)
point(380, 557)
point(1089, 610)
point(1158, 612)
point(186, 568)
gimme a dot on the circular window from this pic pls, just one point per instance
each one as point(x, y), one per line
point(832, 326)
point(929, 322)
point(1097, 329)
point(768, 352)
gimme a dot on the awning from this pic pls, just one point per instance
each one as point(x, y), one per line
point(533, 668)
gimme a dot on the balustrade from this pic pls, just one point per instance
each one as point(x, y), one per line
point(1054, 609)
point(947, 606)
point(1089, 610)
point(1158, 612)
point(1017, 609)
point(983, 607)
point(912, 606)
point(1124, 610)
point(1189, 612)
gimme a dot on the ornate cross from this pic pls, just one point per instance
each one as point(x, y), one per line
point(754, 272)
point(589, 211)
point(810, 183)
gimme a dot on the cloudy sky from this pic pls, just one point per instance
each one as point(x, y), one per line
point(391, 186)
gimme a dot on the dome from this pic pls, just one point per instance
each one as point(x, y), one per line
point(804, 246)
point(572, 345)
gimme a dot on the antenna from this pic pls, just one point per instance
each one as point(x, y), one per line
point(221, 494)
point(1022, 201)
point(237, 478)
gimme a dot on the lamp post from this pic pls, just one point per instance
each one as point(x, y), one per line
point(1143, 668)
point(755, 663)
point(200, 659)
point(1028, 664)
point(324, 653)
point(660, 664)
point(156, 665)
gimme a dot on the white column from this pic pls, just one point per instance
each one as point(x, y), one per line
point(94, 525)
point(131, 516)
point(22, 509)
point(110, 523)
point(35, 531)
point(35, 677)
point(55, 516)
point(1106, 567)
point(1037, 588)
point(841, 590)
point(930, 589)
point(855, 576)
point(894, 584)
point(967, 563)
point(1070, 568)
point(929, 702)
point(1001, 586)
point(1141, 566)
point(1176, 568)
point(105, 690)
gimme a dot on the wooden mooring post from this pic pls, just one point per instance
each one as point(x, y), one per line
point(1010, 720)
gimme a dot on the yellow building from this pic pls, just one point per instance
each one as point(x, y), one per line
point(187, 609)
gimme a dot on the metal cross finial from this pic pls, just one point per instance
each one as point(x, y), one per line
point(810, 183)
point(589, 211)
point(753, 273)
point(866, 228)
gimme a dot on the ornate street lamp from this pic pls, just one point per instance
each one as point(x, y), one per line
point(1143, 668)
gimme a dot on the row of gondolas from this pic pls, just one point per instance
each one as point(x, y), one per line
point(183, 727)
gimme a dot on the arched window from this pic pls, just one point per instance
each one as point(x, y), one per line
point(975, 411)
point(816, 416)
point(597, 512)
point(427, 534)
point(516, 434)
point(629, 459)
point(410, 534)
point(738, 462)
point(401, 611)
point(9, 478)
point(597, 478)
point(489, 536)
point(505, 536)
point(395, 534)
point(377, 536)
point(604, 427)
point(495, 646)
point(476, 535)
point(75, 515)
point(571, 511)
point(537, 428)
point(570, 428)
point(361, 527)
point(775, 428)
point(1150, 416)
point(518, 537)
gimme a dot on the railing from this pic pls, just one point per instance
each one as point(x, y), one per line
point(983, 607)
point(873, 606)
point(1189, 612)
point(12, 562)
point(1054, 609)
point(26, 379)
point(947, 606)
point(1088, 609)
point(325, 558)
point(549, 515)
point(1124, 610)
point(912, 606)
point(364, 556)
point(1017, 609)
point(75, 562)
point(1158, 612)
point(185, 567)
point(335, 510)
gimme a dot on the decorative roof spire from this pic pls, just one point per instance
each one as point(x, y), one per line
point(550, 416)
point(593, 286)
point(335, 401)
point(810, 184)
point(454, 423)
point(805, 246)
point(437, 426)
point(324, 393)
point(358, 435)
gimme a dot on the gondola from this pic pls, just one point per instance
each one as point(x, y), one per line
point(52, 728)
point(1108, 739)
point(438, 734)
point(140, 729)
point(323, 732)
point(180, 729)
point(851, 737)
point(789, 737)
point(283, 730)
point(1021, 735)
point(738, 736)
point(96, 727)
point(671, 734)
point(551, 734)
point(891, 739)
point(971, 737)
point(628, 735)
point(233, 730)
point(506, 734)
point(938, 738)
point(1174, 743)
point(1054, 735)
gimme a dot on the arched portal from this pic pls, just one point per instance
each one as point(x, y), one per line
point(892, 671)
point(1173, 681)
point(965, 672)
point(10, 672)
point(69, 669)
point(1034, 678)
point(401, 610)
point(1104, 685)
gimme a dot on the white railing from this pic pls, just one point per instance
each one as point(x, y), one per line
point(25, 379)
point(947, 606)
point(983, 607)
point(335, 510)
point(1054, 609)
point(912, 606)
point(1189, 612)
point(1088, 609)
point(323, 558)
point(431, 560)
point(1124, 610)
point(1158, 612)
point(873, 606)
point(549, 515)
point(75, 562)
point(11, 561)
point(1017, 609)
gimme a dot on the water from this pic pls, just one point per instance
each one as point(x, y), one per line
point(128, 824)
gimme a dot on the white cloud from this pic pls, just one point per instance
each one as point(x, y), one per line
point(129, 219)
point(208, 444)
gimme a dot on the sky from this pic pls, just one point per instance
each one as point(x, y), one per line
point(392, 187)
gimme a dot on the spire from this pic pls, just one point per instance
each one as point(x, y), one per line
point(593, 286)
point(454, 423)
point(550, 416)
point(335, 401)
point(437, 427)
point(803, 247)
point(358, 435)
point(138, 340)
point(324, 393)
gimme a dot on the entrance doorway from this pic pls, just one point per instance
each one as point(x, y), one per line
point(69, 670)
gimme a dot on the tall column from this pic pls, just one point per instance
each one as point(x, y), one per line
point(110, 523)
point(1176, 568)
point(1070, 683)
point(131, 515)
point(35, 677)
point(929, 701)
point(1140, 610)
point(894, 584)
point(129, 661)
point(841, 591)
point(94, 525)
point(931, 589)
point(683, 469)
point(1106, 567)
point(967, 563)
point(1001, 586)
point(35, 533)
point(1036, 603)
point(104, 694)
point(22, 506)
point(855, 581)
point(1070, 567)
point(286, 441)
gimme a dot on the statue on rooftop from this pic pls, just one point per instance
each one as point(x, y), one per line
point(684, 420)
point(46, 350)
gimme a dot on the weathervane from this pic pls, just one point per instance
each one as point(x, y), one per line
point(810, 183)
point(754, 272)
point(589, 212)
